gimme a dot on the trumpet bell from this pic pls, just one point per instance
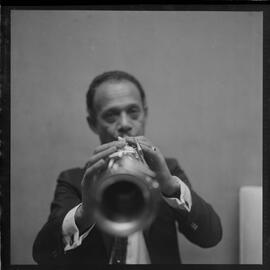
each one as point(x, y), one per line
point(125, 198)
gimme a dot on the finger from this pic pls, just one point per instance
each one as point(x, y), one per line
point(148, 148)
point(101, 155)
point(149, 172)
point(118, 144)
point(151, 153)
point(131, 140)
point(143, 143)
point(139, 139)
point(149, 145)
point(93, 169)
point(134, 140)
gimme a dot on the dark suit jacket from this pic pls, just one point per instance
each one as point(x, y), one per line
point(201, 226)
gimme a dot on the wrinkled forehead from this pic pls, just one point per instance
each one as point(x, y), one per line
point(116, 93)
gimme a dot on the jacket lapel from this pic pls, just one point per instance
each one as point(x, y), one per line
point(108, 243)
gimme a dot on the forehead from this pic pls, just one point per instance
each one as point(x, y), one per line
point(116, 93)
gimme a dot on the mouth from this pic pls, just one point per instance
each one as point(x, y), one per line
point(123, 135)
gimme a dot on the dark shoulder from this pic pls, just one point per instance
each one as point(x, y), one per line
point(72, 176)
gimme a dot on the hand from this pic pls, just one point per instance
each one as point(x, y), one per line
point(83, 215)
point(157, 163)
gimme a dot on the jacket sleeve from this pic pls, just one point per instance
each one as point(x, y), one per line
point(202, 225)
point(48, 246)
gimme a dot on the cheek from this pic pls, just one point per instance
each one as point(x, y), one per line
point(142, 120)
point(139, 124)
point(107, 129)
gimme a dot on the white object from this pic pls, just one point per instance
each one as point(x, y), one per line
point(251, 225)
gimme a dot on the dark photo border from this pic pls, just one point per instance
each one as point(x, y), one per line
point(5, 118)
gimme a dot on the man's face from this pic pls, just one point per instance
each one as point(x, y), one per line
point(119, 111)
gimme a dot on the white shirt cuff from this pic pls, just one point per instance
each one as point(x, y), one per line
point(185, 201)
point(71, 236)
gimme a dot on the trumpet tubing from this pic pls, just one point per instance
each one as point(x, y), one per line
point(125, 197)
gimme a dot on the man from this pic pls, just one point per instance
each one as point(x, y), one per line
point(117, 107)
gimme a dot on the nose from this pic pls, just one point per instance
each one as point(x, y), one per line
point(124, 124)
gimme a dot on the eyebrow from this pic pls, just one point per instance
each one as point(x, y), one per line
point(117, 109)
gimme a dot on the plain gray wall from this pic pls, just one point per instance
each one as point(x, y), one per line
point(202, 72)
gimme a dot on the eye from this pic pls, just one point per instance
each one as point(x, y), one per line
point(134, 112)
point(110, 116)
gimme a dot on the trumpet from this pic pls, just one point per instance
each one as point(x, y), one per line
point(126, 196)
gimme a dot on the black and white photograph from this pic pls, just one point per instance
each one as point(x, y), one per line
point(136, 137)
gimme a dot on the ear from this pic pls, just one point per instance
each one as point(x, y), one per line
point(92, 123)
point(145, 111)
